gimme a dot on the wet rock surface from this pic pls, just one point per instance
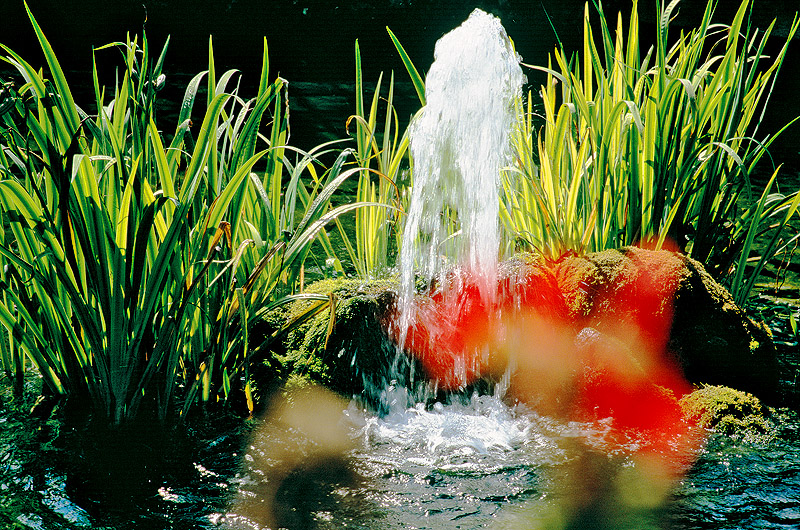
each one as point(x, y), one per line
point(712, 339)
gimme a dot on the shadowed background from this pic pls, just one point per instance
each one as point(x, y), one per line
point(311, 44)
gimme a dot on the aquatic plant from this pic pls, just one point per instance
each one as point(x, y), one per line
point(133, 268)
point(381, 153)
point(656, 148)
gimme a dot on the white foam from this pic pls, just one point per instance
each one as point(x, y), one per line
point(459, 434)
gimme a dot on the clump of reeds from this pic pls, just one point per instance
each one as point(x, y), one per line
point(133, 262)
point(654, 147)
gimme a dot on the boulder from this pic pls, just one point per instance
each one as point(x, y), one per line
point(460, 335)
point(351, 352)
point(664, 295)
point(712, 338)
point(727, 411)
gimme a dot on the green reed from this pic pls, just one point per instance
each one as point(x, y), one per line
point(134, 264)
point(381, 153)
point(652, 147)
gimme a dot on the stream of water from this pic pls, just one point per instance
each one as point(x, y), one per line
point(459, 143)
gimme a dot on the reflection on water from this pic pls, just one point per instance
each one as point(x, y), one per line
point(482, 463)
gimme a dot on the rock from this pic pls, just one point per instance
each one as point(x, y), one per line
point(594, 285)
point(717, 343)
point(460, 336)
point(727, 411)
point(710, 336)
point(354, 352)
point(664, 296)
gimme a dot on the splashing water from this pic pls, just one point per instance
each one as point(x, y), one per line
point(459, 143)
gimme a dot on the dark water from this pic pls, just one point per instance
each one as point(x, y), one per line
point(476, 464)
point(743, 484)
point(312, 42)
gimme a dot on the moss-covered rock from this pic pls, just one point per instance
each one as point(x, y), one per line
point(616, 285)
point(717, 343)
point(712, 338)
point(686, 312)
point(727, 411)
point(350, 352)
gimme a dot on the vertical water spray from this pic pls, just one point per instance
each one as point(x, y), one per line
point(459, 143)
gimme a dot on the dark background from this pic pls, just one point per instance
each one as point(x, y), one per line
point(311, 43)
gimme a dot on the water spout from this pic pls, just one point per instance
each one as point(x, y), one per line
point(459, 143)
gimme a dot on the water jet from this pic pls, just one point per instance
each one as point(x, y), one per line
point(459, 142)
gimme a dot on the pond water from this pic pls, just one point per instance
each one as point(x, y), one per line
point(475, 463)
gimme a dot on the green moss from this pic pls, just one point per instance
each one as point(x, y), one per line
point(711, 337)
point(727, 411)
point(352, 351)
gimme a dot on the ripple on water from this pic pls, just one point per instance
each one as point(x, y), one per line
point(477, 464)
point(454, 465)
point(743, 484)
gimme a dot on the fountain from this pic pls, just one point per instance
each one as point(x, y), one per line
point(582, 429)
point(614, 379)
point(596, 402)
point(459, 143)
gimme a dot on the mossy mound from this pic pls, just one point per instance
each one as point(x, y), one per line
point(711, 337)
point(594, 285)
point(351, 352)
point(727, 411)
point(695, 318)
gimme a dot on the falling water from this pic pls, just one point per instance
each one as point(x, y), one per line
point(459, 143)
